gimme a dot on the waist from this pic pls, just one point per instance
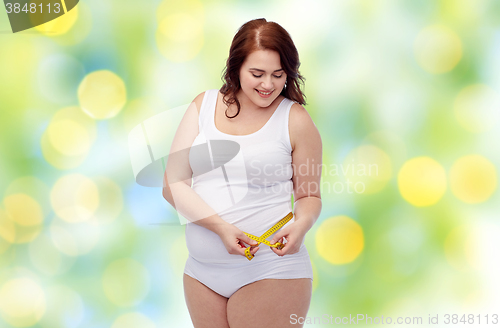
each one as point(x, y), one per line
point(206, 246)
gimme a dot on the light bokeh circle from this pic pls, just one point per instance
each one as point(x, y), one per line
point(74, 197)
point(180, 37)
point(47, 258)
point(69, 138)
point(21, 221)
point(74, 238)
point(339, 239)
point(57, 159)
point(33, 187)
point(22, 302)
point(110, 200)
point(422, 181)
point(65, 308)
point(80, 29)
point(477, 108)
point(473, 179)
point(461, 248)
point(61, 24)
point(438, 49)
point(367, 166)
point(23, 209)
point(7, 231)
point(102, 94)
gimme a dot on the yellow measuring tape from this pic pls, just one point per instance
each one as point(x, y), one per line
point(262, 239)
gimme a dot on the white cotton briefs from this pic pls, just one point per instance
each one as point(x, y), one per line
point(247, 180)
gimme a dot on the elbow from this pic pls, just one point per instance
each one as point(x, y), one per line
point(313, 196)
point(167, 191)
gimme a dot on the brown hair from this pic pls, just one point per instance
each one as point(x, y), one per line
point(259, 34)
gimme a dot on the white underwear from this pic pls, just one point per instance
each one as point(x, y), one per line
point(226, 278)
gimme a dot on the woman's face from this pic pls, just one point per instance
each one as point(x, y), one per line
point(261, 71)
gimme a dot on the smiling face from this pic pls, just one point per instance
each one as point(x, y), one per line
point(261, 71)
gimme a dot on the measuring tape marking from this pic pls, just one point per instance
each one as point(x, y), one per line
point(262, 239)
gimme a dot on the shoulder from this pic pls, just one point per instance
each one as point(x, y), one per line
point(301, 126)
point(198, 101)
point(298, 113)
point(188, 127)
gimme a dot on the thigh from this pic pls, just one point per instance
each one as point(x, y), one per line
point(269, 303)
point(206, 308)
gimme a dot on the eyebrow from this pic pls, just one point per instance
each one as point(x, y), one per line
point(260, 70)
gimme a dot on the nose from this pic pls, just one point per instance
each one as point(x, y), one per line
point(267, 84)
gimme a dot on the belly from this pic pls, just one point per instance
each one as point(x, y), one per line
point(206, 246)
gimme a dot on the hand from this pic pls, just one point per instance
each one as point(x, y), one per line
point(294, 235)
point(233, 238)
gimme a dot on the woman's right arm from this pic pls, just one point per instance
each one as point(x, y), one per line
point(177, 185)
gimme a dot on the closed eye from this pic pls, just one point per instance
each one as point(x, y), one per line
point(273, 75)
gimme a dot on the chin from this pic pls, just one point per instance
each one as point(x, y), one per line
point(254, 96)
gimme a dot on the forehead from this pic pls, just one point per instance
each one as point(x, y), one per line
point(263, 59)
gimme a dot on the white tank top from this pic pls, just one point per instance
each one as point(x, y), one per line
point(246, 179)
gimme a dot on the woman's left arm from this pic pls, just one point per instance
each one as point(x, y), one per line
point(306, 164)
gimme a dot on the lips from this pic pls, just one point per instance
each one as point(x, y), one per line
point(261, 94)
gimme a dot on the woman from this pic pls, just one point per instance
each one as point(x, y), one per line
point(245, 148)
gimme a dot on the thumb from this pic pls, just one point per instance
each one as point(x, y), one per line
point(249, 240)
point(276, 238)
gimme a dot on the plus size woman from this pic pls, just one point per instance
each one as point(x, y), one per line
point(241, 151)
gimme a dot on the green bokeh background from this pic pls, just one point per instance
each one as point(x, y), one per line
point(366, 84)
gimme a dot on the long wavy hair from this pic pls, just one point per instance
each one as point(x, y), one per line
point(259, 34)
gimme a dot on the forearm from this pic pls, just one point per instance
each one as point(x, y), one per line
point(190, 205)
point(307, 211)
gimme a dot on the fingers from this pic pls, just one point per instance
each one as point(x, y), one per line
point(280, 252)
point(242, 248)
point(278, 239)
point(248, 240)
point(253, 250)
point(288, 248)
point(274, 249)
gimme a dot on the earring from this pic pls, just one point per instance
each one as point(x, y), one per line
point(285, 84)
